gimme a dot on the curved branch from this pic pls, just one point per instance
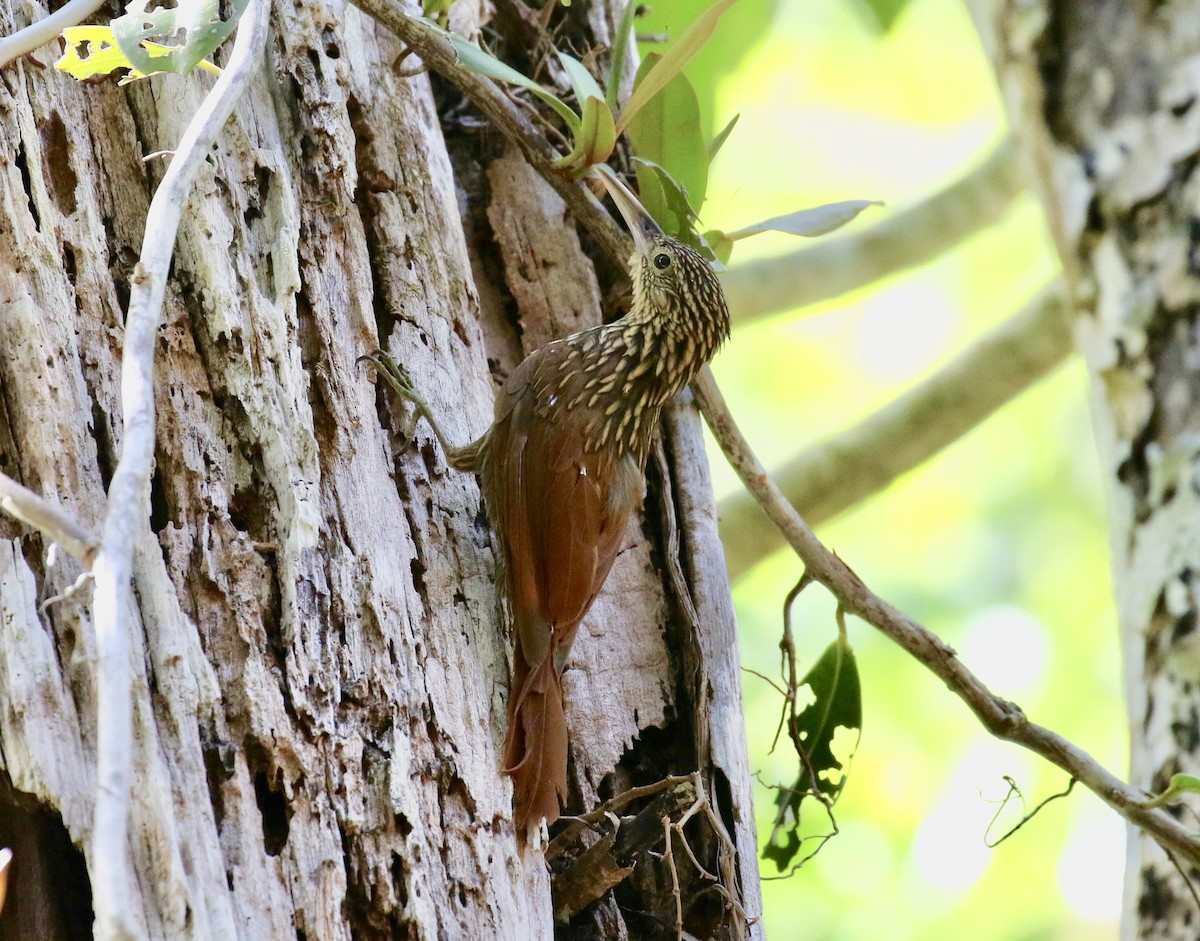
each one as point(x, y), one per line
point(829, 477)
point(46, 29)
point(827, 269)
point(47, 518)
point(128, 512)
point(436, 52)
point(1001, 718)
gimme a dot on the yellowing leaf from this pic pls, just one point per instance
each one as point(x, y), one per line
point(595, 139)
point(93, 50)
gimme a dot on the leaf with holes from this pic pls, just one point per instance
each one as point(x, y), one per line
point(93, 50)
point(190, 30)
point(836, 707)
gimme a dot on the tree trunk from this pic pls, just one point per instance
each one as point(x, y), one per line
point(319, 661)
point(1104, 94)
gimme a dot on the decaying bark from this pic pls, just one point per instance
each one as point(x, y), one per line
point(1105, 95)
point(319, 665)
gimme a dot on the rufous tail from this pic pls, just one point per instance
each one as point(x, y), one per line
point(535, 751)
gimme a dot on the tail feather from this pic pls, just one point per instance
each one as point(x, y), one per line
point(535, 752)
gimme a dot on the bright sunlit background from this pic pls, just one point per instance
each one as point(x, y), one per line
point(999, 544)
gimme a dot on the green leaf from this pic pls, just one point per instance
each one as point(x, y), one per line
point(837, 704)
point(583, 83)
point(595, 139)
point(719, 141)
point(1179, 785)
point(667, 132)
point(619, 54)
point(809, 222)
point(651, 193)
point(190, 30)
point(667, 202)
point(673, 60)
point(882, 14)
point(721, 244)
point(474, 59)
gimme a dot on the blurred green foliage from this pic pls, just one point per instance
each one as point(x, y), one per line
point(882, 13)
point(999, 544)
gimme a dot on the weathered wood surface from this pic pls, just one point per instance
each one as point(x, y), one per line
point(319, 663)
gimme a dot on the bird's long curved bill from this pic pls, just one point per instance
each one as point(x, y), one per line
point(641, 224)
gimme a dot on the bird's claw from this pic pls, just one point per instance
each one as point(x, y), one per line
point(397, 377)
point(391, 372)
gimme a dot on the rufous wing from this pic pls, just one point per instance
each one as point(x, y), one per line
point(560, 513)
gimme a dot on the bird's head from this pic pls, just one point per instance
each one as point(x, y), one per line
point(672, 282)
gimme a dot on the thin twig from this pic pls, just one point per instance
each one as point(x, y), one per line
point(1025, 817)
point(128, 493)
point(669, 858)
point(605, 810)
point(611, 859)
point(827, 478)
point(775, 686)
point(73, 593)
point(832, 267)
point(44, 30)
point(1187, 880)
point(48, 519)
point(787, 660)
point(1001, 718)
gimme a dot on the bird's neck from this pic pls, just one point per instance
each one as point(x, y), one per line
point(651, 360)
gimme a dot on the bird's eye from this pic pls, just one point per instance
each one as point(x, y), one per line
point(662, 260)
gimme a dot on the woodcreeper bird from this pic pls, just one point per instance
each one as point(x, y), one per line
point(561, 470)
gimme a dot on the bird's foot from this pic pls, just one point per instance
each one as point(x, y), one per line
point(393, 374)
point(397, 377)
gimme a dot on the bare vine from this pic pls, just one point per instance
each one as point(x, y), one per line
point(110, 557)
